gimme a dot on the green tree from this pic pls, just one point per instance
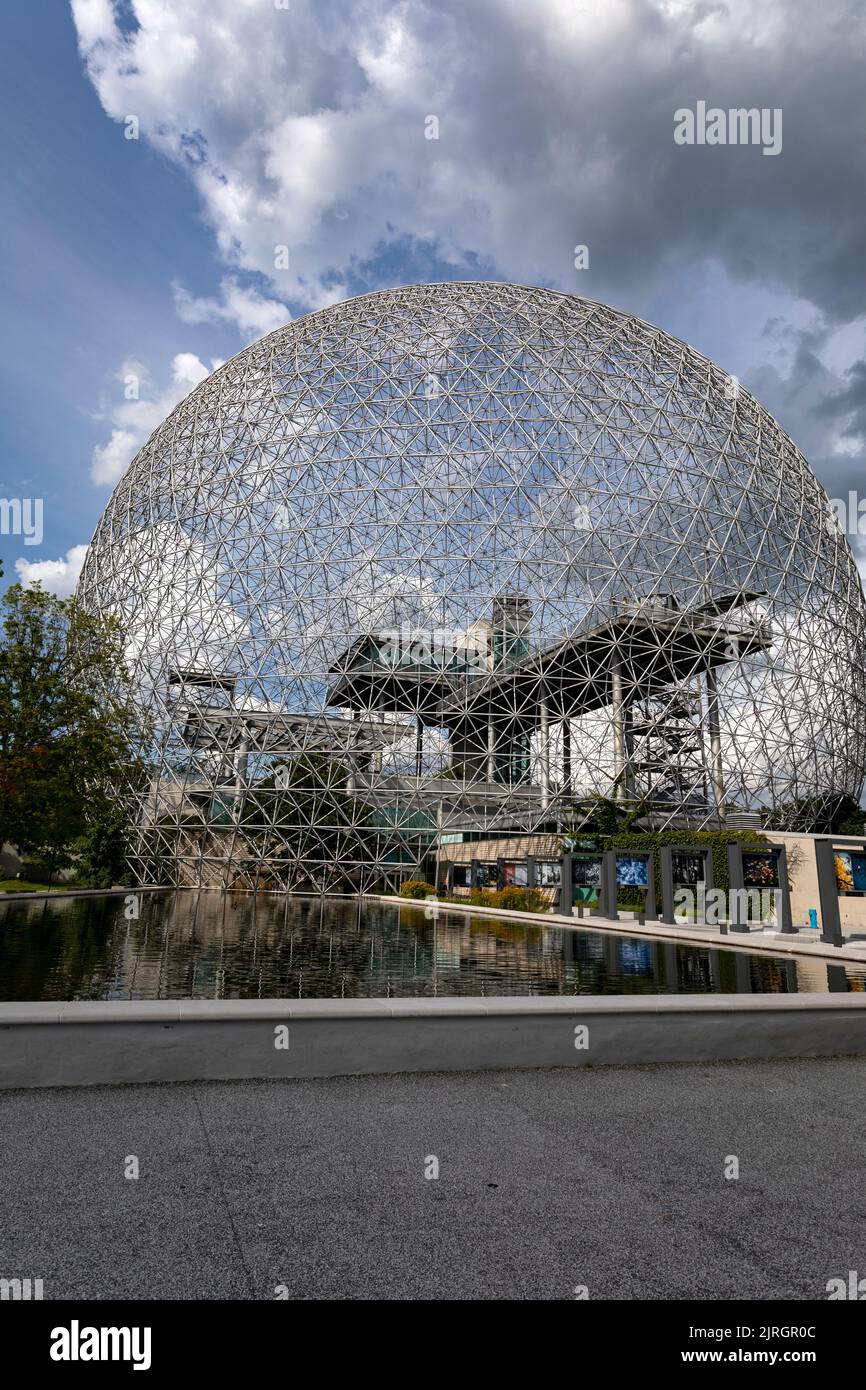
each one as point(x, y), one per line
point(70, 732)
point(603, 817)
point(833, 813)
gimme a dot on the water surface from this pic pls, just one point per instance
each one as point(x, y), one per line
point(209, 945)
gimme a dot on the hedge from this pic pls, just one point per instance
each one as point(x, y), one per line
point(717, 840)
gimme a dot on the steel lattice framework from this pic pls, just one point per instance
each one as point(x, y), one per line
point(454, 558)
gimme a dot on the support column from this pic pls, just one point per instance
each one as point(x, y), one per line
point(545, 754)
point(376, 755)
point(666, 855)
point(241, 768)
point(350, 756)
point(619, 751)
point(737, 913)
point(714, 730)
point(828, 894)
point(650, 899)
point(566, 756)
point(419, 747)
point(628, 736)
point(608, 880)
point(241, 761)
point(783, 895)
point(565, 889)
point(440, 821)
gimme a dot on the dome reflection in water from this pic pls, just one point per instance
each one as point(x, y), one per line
point(222, 946)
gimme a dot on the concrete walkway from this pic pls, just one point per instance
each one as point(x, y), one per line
point(547, 1180)
point(802, 942)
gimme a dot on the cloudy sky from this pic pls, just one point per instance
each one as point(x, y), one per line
point(182, 176)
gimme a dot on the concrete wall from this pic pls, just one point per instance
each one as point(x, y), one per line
point(96, 1043)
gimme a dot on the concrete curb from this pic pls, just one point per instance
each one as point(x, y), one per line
point(84, 1043)
point(769, 943)
point(55, 893)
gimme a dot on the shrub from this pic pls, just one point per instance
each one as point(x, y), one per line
point(512, 898)
point(521, 899)
point(416, 888)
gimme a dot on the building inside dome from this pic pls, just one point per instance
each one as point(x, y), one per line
point(444, 565)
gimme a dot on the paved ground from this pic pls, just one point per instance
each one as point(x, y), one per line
point(611, 1179)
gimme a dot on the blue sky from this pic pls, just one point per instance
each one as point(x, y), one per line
point(94, 228)
point(154, 256)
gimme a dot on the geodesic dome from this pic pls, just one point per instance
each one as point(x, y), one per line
point(444, 562)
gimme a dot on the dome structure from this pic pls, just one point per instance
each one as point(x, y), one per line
point(446, 562)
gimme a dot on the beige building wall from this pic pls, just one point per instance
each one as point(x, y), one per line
point(503, 847)
point(799, 848)
point(803, 876)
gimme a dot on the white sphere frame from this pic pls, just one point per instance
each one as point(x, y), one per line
point(450, 560)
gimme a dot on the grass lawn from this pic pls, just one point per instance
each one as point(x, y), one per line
point(20, 885)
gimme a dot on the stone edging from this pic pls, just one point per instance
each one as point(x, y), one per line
point(770, 943)
point(127, 1042)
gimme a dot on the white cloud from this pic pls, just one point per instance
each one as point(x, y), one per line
point(142, 409)
point(57, 576)
point(306, 128)
point(172, 612)
point(252, 313)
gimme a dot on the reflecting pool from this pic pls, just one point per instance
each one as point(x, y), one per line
point(209, 945)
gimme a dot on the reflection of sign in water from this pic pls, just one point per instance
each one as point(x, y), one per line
point(632, 872)
point(688, 869)
point(586, 873)
point(759, 871)
point(636, 957)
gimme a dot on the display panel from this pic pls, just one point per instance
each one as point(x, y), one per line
point(632, 872)
point(586, 873)
point(487, 876)
point(688, 869)
point(515, 875)
point(850, 871)
point(760, 870)
point(547, 873)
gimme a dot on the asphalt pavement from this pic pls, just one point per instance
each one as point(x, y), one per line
point(549, 1182)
